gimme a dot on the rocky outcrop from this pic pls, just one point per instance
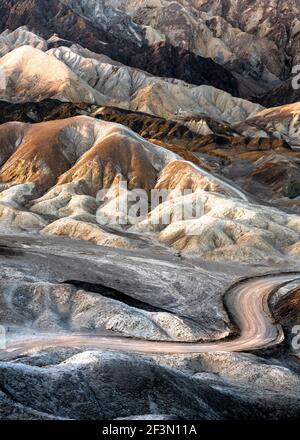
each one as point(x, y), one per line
point(258, 41)
point(283, 94)
point(69, 76)
point(281, 122)
point(248, 57)
point(31, 75)
point(40, 111)
point(166, 60)
point(265, 167)
point(92, 374)
point(105, 284)
point(46, 19)
point(47, 300)
point(77, 146)
point(106, 32)
point(54, 187)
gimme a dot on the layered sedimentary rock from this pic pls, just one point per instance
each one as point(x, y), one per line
point(281, 122)
point(257, 41)
point(105, 104)
point(60, 180)
point(266, 167)
point(110, 31)
point(66, 75)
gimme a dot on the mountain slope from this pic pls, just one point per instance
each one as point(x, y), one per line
point(106, 84)
point(257, 41)
point(53, 186)
point(110, 32)
point(33, 75)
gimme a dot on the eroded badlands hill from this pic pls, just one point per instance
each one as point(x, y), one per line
point(101, 92)
point(69, 76)
point(258, 41)
point(266, 167)
point(245, 48)
point(54, 170)
point(104, 29)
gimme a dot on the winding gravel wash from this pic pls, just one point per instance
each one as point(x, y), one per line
point(247, 304)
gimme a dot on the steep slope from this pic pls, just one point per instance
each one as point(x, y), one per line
point(256, 44)
point(276, 21)
point(32, 75)
point(41, 111)
point(167, 60)
point(20, 37)
point(48, 18)
point(52, 173)
point(58, 73)
point(283, 94)
point(145, 207)
point(107, 31)
point(209, 31)
point(265, 167)
point(249, 385)
point(281, 122)
point(42, 152)
point(257, 41)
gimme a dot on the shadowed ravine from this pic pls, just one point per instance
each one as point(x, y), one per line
point(247, 303)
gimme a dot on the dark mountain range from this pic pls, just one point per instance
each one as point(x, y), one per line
point(123, 41)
